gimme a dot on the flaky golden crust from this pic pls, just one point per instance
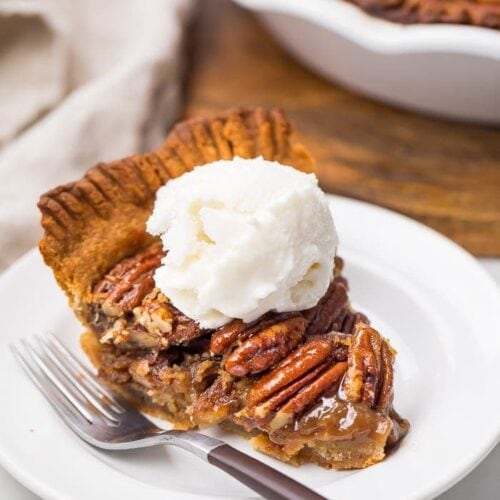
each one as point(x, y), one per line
point(91, 224)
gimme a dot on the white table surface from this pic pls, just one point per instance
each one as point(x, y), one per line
point(483, 483)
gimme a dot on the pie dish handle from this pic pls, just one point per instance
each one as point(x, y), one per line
point(258, 476)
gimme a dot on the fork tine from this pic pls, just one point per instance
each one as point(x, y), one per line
point(46, 387)
point(77, 404)
point(75, 381)
point(80, 371)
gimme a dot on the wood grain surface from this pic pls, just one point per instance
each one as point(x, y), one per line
point(444, 174)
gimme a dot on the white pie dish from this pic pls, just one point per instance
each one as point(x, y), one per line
point(441, 69)
point(431, 298)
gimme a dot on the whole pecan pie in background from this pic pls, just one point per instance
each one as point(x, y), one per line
point(309, 386)
point(477, 12)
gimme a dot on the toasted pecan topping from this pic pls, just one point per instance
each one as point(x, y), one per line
point(295, 384)
point(129, 288)
point(369, 377)
point(309, 394)
point(317, 320)
point(225, 336)
point(298, 363)
point(237, 331)
point(266, 348)
point(185, 329)
point(126, 285)
point(321, 317)
point(262, 411)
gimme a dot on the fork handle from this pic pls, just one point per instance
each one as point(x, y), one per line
point(258, 476)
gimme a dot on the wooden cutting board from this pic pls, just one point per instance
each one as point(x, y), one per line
point(444, 174)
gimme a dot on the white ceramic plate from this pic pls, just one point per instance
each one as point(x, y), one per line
point(441, 69)
point(436, 304)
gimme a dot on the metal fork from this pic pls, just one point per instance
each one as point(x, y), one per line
point(107, 421)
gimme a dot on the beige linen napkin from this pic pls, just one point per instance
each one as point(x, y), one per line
point(80, 82)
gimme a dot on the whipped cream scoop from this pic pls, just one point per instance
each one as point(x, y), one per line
point(243, 237)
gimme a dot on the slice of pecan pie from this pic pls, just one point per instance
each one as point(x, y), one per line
point(308, 386)
point(477, 12)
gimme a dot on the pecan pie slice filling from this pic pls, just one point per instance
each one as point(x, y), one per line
point(314, 385)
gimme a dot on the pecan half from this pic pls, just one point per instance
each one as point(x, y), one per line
point(184, 329)
point(126, 285)
point(305, 358)
point(266, 348)
point(237, 331)
point(295, 384)
point(322, 316)
point(308, 395)
point(225, 336)
point(369, 377)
